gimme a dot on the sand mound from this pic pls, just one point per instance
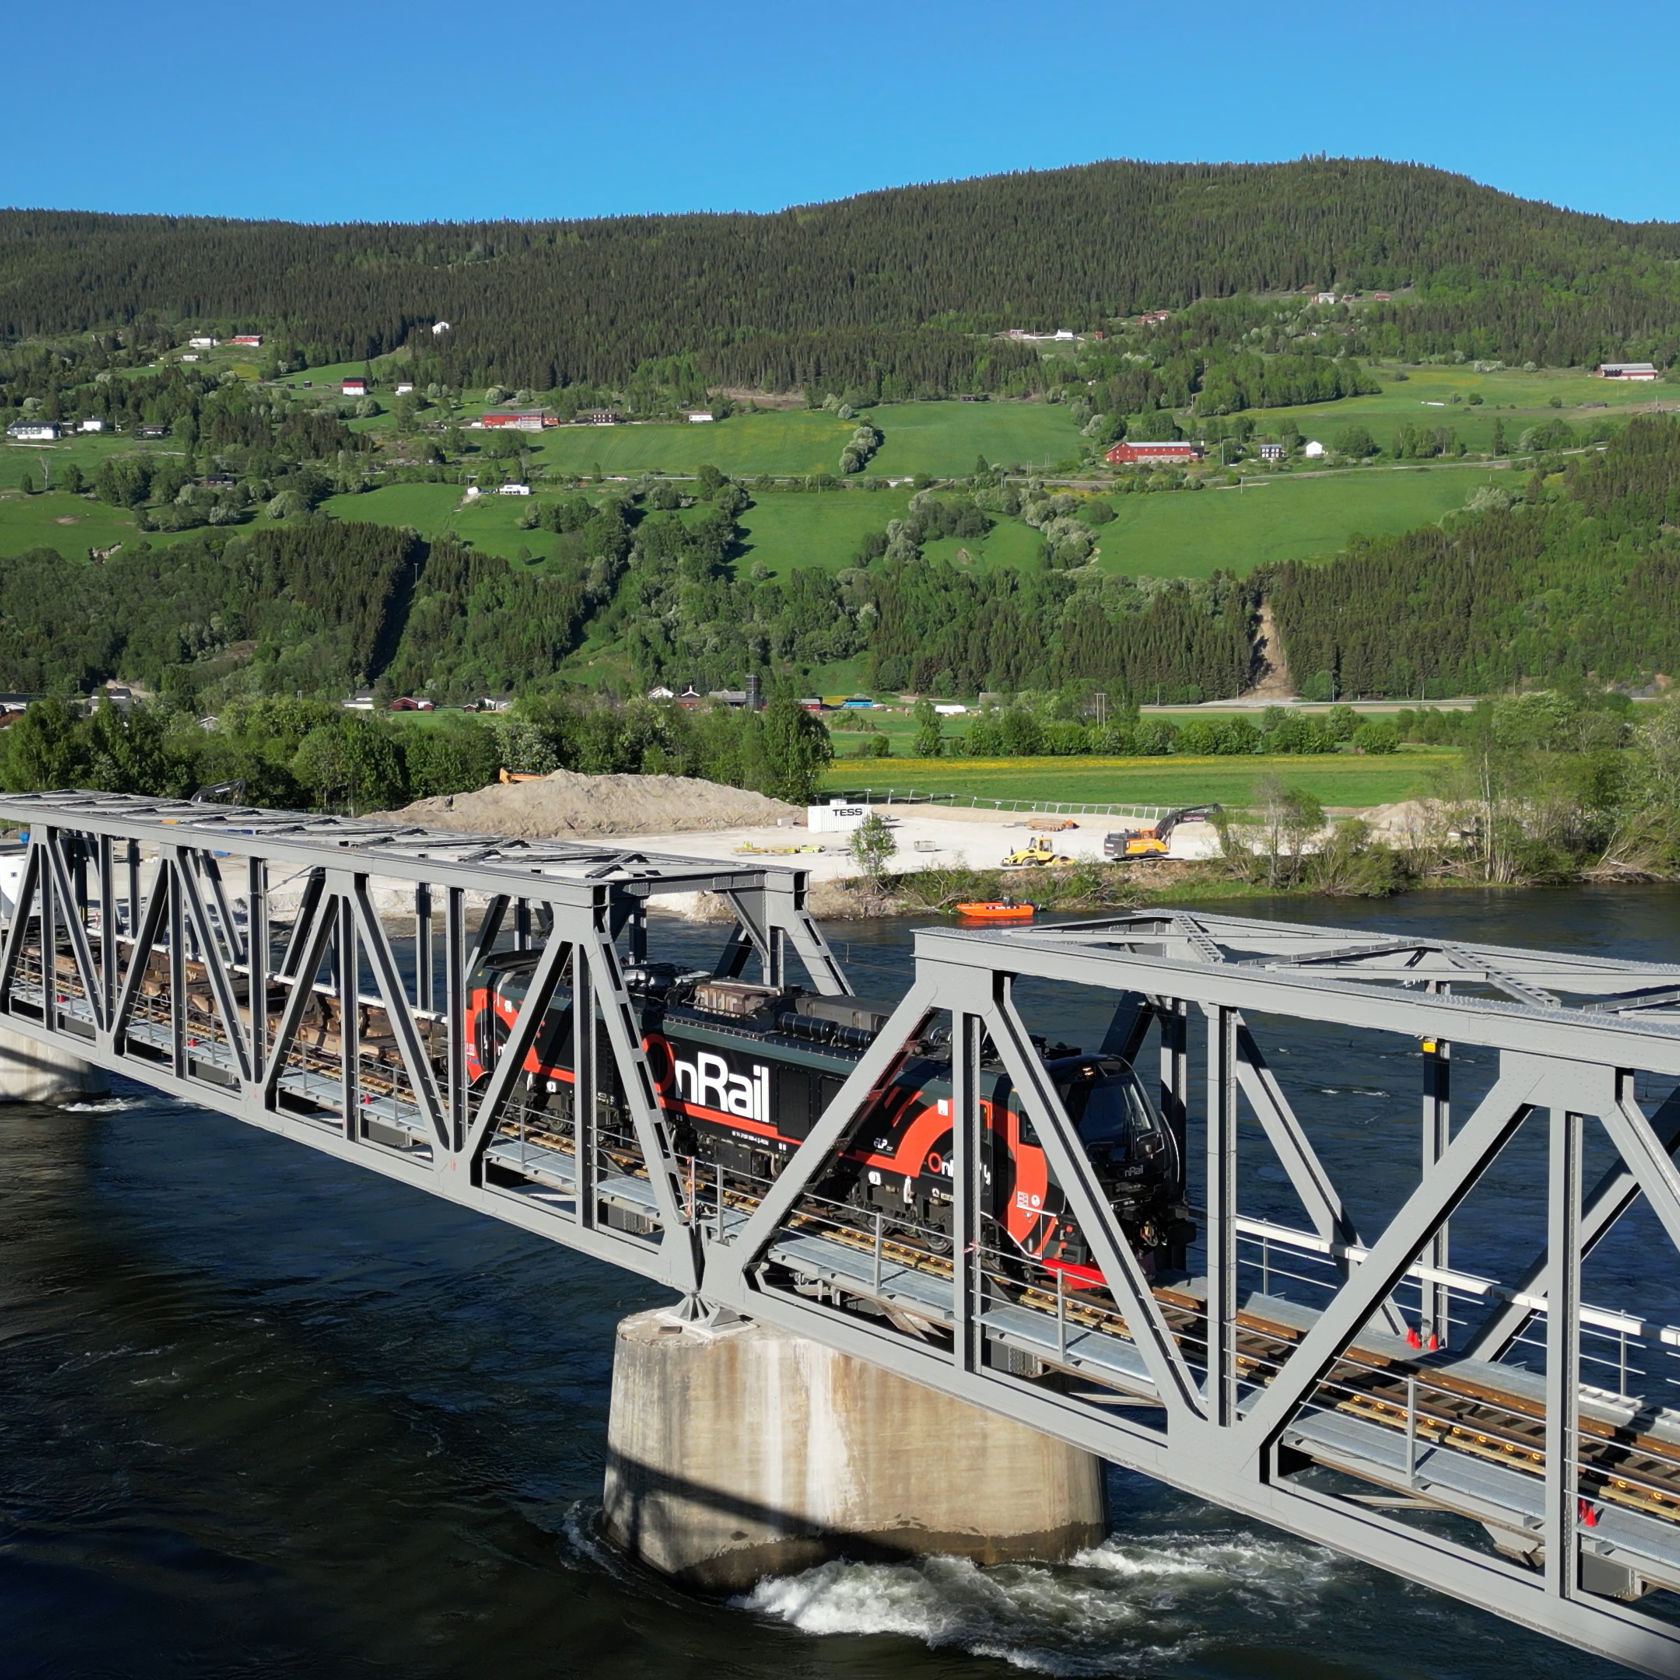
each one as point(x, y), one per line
point(1408, 821)
point(567, 803)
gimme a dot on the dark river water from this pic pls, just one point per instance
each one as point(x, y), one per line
point(264, 1415)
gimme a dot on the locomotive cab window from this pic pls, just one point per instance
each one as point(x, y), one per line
point(1109, 1110)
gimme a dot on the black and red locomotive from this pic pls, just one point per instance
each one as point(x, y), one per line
point(744, 1071)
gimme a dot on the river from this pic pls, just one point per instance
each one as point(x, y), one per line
point(264, 1415)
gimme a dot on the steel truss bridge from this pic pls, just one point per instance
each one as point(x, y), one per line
point(1499, 1439)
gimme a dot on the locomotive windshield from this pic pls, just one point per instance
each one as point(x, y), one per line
point(1109, 1110)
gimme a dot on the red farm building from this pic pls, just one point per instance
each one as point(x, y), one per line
point(519, 419)
point(1136, 454)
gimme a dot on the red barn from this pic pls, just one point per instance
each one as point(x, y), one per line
point(354, 388)
point(1171, 454)
point(520, 419)
point(250, 340)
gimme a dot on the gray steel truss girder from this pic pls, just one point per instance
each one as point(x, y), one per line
point(1213, 1430)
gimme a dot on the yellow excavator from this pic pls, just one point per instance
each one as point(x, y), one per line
point(1127, 843)
point(1037, 854)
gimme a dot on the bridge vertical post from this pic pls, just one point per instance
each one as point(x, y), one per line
point(1221, 1200)
point(345, 969)
point(424, 978)
point(49, 930)
point(455, 1009)
point(1434, 1300)
point(585, 1110)
point(131, 862)
point(257, 958)
point(168, 881)
point(108, 947)
point(1173, 1015)
point(1563, 1354)
point(967, 1153)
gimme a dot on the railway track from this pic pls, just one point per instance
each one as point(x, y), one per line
point(1425, 1398)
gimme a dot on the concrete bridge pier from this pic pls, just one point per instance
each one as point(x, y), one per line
point(38, 1073)
point(742, 1451)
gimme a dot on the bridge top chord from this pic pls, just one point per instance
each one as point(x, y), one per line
point(381, 846)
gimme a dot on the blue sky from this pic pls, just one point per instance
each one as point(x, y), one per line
point(407, 111)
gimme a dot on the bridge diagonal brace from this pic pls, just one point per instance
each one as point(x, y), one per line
point(1616, 1191)
point(1297, 1156)
point(641, 1098)
point(1651, 1164)
point(510, 1063)
point(1129, 1026)
point(81, 952)
point(211, 955)
point(399, 1013)
point(1442, 1188)
point(17, 930)
point(787, 913)
point(309, 904)
point(738, 950)
point(146, 926)
point(489, 927)
point(308, 946)
point(872, 1070)
point(753, 935)
point(1073, 1172)
point(211, 872)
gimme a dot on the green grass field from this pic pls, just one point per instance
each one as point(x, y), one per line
point(488, 522)
point(792, 443)
point(1425, 398)
point(71, 524)
point(88, 450)
point(1193, 534)
point(944, 438)
point(1335, 779)
point(785, 529)
point(941, 439)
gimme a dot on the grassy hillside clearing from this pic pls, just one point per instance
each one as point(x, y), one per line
point(787, 529)
point(1193, 534)
point(87, 450)
point(1439, 396)
point(944, 439)
point(71, 524)
point(791, 444)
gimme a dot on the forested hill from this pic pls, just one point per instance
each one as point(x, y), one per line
point(899, 279)
point(1572, 577)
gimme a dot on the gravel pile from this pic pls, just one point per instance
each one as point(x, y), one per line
point(567, 803)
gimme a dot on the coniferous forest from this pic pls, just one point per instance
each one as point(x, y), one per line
point(889, 286)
